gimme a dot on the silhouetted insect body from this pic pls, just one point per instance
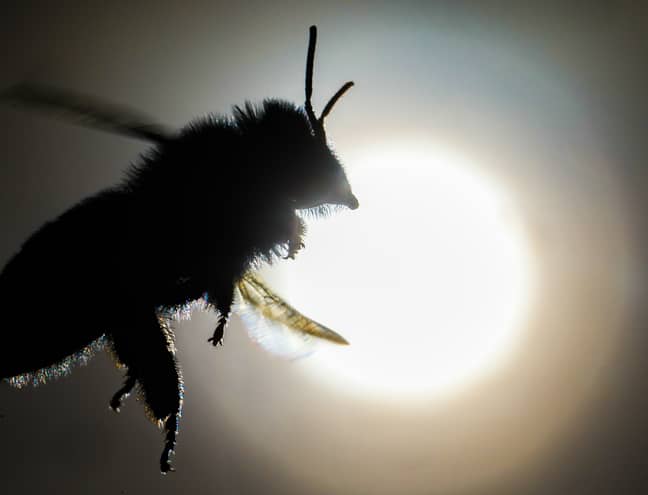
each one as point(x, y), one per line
point(109, 272)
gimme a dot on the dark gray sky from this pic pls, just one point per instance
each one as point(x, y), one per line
point(553, 96)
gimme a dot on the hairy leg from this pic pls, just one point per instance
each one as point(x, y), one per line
point(146, 347)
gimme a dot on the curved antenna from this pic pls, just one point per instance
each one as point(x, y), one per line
point(334, 99)
point(312, 41)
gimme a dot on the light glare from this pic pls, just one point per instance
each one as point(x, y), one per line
point(429, 279)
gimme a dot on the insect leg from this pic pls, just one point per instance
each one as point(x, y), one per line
point(296, 239)
point(146, 346)
point(224, 297)
point(122, 393)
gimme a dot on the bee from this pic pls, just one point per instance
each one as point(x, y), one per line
point(188, 225)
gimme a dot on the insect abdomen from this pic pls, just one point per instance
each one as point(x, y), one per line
point(59, 292)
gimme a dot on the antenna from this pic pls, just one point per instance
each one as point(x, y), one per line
point(318, 124)
point(312, 41)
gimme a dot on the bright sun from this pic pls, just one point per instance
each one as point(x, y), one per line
point(430, 279)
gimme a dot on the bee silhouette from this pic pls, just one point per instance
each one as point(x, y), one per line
point(188, 225)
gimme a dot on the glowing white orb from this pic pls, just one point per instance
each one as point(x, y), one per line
point(430, 279)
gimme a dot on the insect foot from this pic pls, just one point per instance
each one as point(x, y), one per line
point(217, 338)
point(121, 394)
point(165, 459)
point(296, 240)
point(293, 249)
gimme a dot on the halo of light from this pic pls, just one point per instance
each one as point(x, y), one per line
point(430, 280)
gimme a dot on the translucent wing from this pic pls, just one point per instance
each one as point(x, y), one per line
point(276, 325)
point(87, 111)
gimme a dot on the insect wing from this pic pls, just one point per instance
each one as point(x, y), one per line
point(276, 325)
point(274, 337)
point(87, 111)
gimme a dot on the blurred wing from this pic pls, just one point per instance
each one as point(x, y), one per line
point(276, 325)
point(276, 338)
point(87, 111)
